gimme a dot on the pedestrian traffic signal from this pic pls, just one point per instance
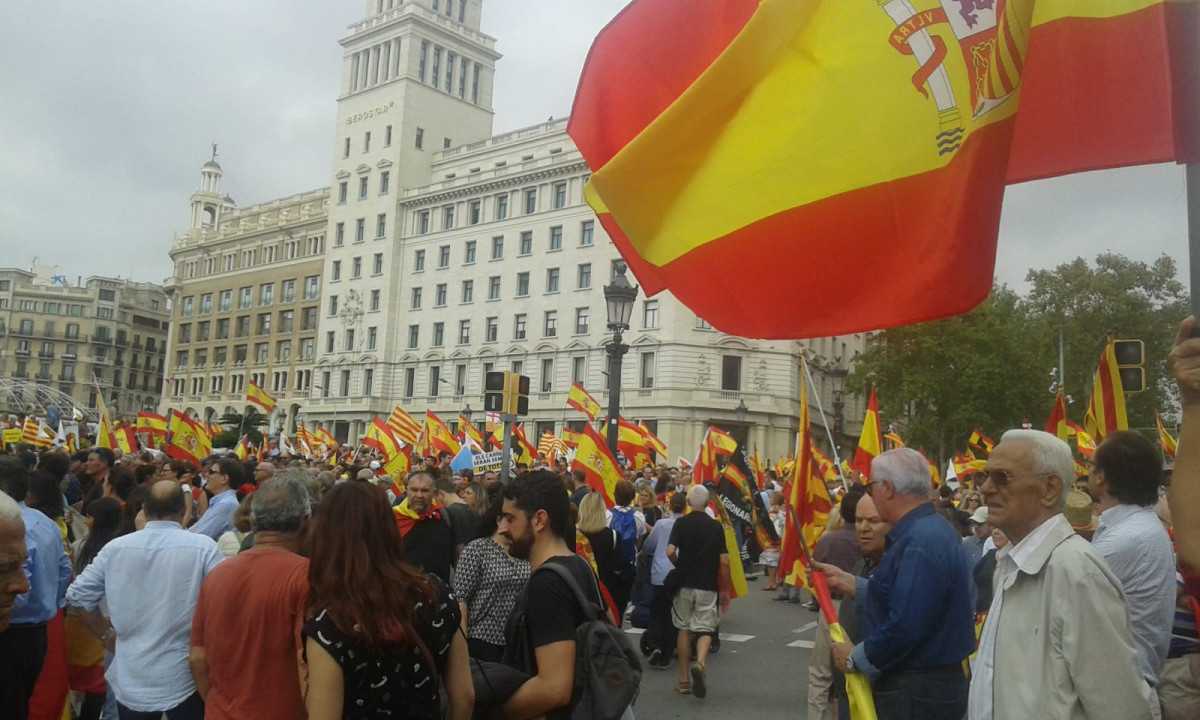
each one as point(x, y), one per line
point(1131, 357)
point(522, 392)
point(506, 392)
point(493, 392)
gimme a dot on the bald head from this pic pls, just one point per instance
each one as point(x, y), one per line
point(166, 501)
point(263, 472)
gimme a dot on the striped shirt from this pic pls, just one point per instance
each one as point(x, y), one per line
point(1134, 543)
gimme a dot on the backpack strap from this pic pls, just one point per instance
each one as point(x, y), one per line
point(591, 610)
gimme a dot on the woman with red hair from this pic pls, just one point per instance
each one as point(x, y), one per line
point(380, 634)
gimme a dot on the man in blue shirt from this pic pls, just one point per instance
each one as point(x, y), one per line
point(661, 633)
point(224, 475)
point(23, 644)
point(916, 605)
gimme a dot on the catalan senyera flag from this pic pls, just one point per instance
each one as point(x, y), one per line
point(598, 464)
point(827, 470)
point(30, 430)
point(1167, 442)
point(652, 442)
point(807, 502)
point(1106, 410)
point(255, 395)
point(550, 446)
point(981, 442)
point(870, 444)
point(189, 441)
point(789, 123)
point(438, 436)
point(1056, 424)
point(582, 401)
point(404, 426)
point(152, 424)
point(891, 440)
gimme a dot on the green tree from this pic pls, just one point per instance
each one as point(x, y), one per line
point(235, 424)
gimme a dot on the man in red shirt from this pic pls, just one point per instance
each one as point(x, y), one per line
point(245, 640)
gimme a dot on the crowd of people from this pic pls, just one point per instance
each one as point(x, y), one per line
point(139, 586)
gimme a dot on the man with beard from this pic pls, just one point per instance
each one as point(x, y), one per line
point(428, 538)
point(536, 519)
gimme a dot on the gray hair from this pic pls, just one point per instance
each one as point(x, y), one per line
point(1049, 456)
point(281, 503)
point(326, 480)
point(9, 509)
point(906, 469)
point(697, 497)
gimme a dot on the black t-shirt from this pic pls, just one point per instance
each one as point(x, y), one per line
point(464, 521)
point(604, 552)
point(430, 546)
point(699, 544)
point(551, 610)
point(579, 494)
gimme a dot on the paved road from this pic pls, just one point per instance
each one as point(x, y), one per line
point(760, 672)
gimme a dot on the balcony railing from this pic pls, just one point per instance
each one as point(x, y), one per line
point(43, 376)
point(64, 378)
point(46, 354)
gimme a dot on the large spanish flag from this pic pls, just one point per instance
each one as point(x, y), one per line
point(188, 441)
point(871, 135)
point(593, 457)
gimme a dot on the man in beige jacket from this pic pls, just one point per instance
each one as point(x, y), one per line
point(1057, 642)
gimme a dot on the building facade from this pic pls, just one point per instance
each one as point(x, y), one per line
point(60, 341)
point(245, 295)
point(453, 251)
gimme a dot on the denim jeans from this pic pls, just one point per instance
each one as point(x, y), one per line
point(661, 633)
point(190, 709)
point(921, 696)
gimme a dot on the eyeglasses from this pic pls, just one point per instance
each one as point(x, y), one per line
point(1002, 478)
point(869, 488)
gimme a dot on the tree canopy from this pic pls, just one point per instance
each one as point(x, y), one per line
point(235, 425)
point(990, 368)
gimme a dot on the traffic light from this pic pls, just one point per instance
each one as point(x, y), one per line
point(522, 395)
point(493, 392)
point(1131, 355)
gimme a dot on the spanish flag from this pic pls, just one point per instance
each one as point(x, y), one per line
point(1106, 410)
point(467, 431)
point(189, 441)
point(242, 449)
point(438, 436)
point(396, 457)
point(582, 401)
point(255, 395)
point(1057, 423)
point(631, 443)
point(526, 452)
point(152, 424)
point(1164, 437)
point(652, 441)
point(870, 444)
point(597, 463)
point(981, 442)
point(874, 135)
point(105, 437)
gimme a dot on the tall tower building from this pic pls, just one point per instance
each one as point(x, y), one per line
point(416, 79)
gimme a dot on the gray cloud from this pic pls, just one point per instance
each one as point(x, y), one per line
point(107, 111)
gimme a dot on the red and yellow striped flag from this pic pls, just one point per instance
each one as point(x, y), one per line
point(152, 424)
point(1106, 410)
point(1164, 438)
point(870, 444)
point(652, 441)
point(808, 503)
point(255, 395)
point(789, 123)
point(1057, 423)
point(404, 426)
point(598, 464)
point(582, 401)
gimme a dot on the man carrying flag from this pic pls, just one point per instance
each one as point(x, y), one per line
point(918, 618)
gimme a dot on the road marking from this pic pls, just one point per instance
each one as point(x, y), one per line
point(801, 644)
point(634, 631)
point(736, 638)
point(804, 628)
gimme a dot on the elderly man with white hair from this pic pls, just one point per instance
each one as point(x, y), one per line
point(1057, 641)
point(12, 558)
point(916, 606)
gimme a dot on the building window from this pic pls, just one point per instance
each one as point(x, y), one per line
point(550, 327)
point(702, 324)
point(360, 230)
point(377, 264)
point(205, 305)
point(731, 372)
point(385, 179)
point(349, 340)
point(437, 63)
point(464, 332)
point(330, 341)
point(419, 261)
point(584, 277)
point(473, 211)
point(448, 217)
point(333, 305)
point(469, 254)
point(312, 287)
point(551, 280)
point(346, 148)
point(526, 247)
point(421, 76)
point(381, 225)
point(556, 238)
point(522, 284)
point(286, 321)
point(439, 295)
point(387, 136)
point(372, 337)
point(356, 268)
point(547, 374)
point(336, 272)
point(339, 234)
point(423, 222)
point(367, 141)
point(343, 191)
point(435, 379)
point(420, 139)
point(266, 294)
point(501, 207)
point(468, 291)
point(494, 287)
point(646, 376)
point(491, 329)
point(416, 299)
point(202, 331)
point(363, 187)
point(410, 381)
point(650, 315)
point(444, 256)
point(530, 201)
point(283, 350)
point(368, 381)
point(581, 320)
point(578, 369)
point(374, 301)
point(287, 289)
point(414, 333)
point(519, 327)
point(345, 383)
point(498, 248)
point(438, 334)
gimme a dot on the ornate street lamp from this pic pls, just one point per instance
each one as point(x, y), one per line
point(838, 377)
point(619, 297)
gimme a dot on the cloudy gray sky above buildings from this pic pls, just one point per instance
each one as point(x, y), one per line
point(107, 111)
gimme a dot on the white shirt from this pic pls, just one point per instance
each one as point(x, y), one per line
point(151, 579)
point(1009, 561)
point(1136, 547)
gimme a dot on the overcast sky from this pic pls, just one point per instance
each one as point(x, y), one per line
point(107, 111)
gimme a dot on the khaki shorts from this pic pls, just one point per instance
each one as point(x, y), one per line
point(695, 610)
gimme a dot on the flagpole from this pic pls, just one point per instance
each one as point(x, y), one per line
point(1193, 213)
point(837, 460)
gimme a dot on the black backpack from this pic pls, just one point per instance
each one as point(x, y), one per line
point(608, 671)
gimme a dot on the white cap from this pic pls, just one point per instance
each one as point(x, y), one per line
point(980, 516)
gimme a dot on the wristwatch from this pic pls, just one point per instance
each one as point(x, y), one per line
point(850, 664)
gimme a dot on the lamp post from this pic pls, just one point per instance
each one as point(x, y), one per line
point(838, 376)
point(619, 297)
